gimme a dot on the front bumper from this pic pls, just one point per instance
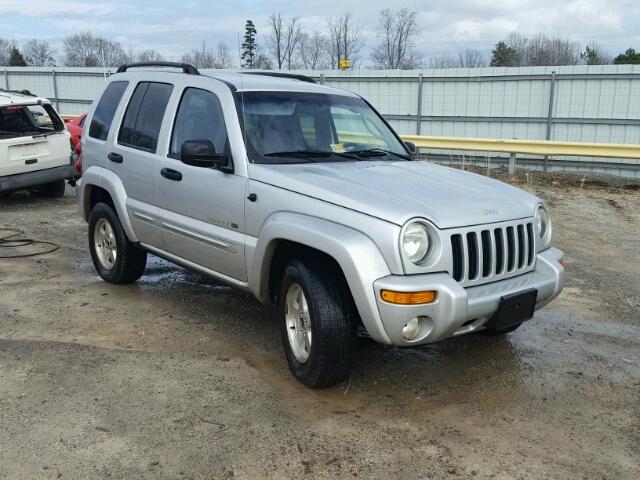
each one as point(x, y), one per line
point(459, 310)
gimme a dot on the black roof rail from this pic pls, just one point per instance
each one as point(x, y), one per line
point(291, 76)
point(186, 68)
point(26, 93)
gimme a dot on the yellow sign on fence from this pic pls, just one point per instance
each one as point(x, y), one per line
point(344, 64)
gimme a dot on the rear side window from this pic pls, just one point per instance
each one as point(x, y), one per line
point(106, 109)
point(143, 118)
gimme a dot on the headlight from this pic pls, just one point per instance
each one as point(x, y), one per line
point(544, 225)
point(416, 242)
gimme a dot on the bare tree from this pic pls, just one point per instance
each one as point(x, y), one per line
point(541, 50)
point(222, 56)
point(443, 61)
point(283, 38)
point(261, 60)
point(38, 53)
point(149, 55)
point(5, 52)
point(86, 50)
point(345, 38)
point(396, 50)
point(313, 51)
point(201, 57)
point(471, 59)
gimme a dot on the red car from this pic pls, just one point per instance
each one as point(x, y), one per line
point(75, 127)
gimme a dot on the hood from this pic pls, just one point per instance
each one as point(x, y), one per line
point(398, 191)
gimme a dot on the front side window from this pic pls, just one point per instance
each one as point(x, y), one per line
point(142, 121)
point(285, 127)
point(199, 117)
point(106, 109)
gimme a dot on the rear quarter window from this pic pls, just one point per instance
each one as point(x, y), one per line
point(106, 109)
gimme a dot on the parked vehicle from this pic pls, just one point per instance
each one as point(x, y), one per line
point(75, 126)
point(304, 196)
point(34, 145)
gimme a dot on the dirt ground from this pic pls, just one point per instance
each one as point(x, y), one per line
point(180, 377)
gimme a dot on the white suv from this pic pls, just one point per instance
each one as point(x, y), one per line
point(34, 145)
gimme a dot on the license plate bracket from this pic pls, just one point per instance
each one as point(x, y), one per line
point(514, 308)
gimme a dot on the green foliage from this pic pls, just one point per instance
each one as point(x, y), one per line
point(16, 59)
point(249, 45)
point(503, 55)
point(592, 56)
point(628, 57)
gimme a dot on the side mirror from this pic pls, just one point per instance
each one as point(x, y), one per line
point(411, 147)
point(202, 153)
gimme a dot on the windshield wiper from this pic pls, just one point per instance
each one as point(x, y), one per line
point(378, 152)
point(310, 154)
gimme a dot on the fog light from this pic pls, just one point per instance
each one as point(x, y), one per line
point(411, 329)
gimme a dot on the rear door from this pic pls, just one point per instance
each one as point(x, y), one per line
point(133, 156)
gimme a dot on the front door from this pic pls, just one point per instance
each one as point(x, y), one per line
point(202, 209)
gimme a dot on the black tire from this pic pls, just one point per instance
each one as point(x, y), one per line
point(130, 260)
point(333, 323)
point(5, 194)
point(52, 190)
point(496, 332)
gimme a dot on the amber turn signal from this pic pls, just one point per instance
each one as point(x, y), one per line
point(563, 262)
point(408, 298)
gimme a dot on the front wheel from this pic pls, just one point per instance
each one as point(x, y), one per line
point(318, 323)
point(115, 258)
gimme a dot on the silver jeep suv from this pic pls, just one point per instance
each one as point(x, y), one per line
point(305, 196)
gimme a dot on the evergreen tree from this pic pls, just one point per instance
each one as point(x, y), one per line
point(249, 45)
point(504, 55)
point(16, 59)
point(628, 57)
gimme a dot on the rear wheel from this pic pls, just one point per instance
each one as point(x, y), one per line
point(317, 323)
point(52, 190)
point(115, 258)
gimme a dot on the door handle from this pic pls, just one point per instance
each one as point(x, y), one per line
point(115, 157)
point(171, 174)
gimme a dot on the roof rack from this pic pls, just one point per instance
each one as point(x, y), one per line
point(186, 68)
point(292, 76)
point(26, 93)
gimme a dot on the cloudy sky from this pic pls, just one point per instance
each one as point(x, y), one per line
point(447, 27)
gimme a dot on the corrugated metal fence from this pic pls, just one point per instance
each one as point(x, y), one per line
point(572, 103)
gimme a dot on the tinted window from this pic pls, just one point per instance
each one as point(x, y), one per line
point(199, 117)
point(143, 119)
point(106, 109)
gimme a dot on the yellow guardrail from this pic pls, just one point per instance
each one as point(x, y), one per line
point(531, 147)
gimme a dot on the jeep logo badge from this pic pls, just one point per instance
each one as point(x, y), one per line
point(490, 211)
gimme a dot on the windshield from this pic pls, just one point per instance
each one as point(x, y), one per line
point(286, 127)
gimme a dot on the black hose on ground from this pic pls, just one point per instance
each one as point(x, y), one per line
point(10, 241)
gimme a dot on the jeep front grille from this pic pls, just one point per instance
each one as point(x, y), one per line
point(489, 253)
